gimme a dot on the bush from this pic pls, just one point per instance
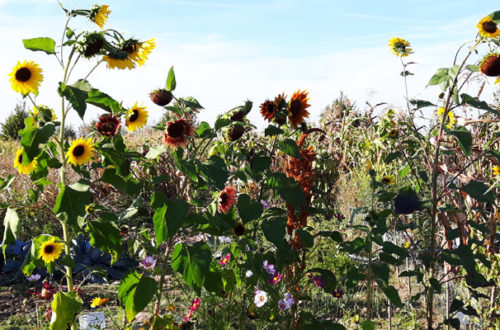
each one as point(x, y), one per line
point(14, 122)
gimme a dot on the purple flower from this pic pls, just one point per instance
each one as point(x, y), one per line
point(264, 204)
point(286, 302)
point(34, 277)
point(148, 262)
point(269, 267)
point(289, 298)
point(338, 293)
point(275, 278)
point(319, 281)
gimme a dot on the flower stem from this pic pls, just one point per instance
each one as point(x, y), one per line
point(162, 276)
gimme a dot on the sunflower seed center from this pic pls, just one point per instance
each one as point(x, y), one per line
point(295, 107)
point(20, 159)
point(175, 129)
point(78, 151)
point(490, 27)
point(223, 198)
point(48, 249)
point(23, 74)
point(134, 116)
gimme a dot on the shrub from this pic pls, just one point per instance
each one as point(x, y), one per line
point(14, 122)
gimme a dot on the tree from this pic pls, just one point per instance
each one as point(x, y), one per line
point(14, 122)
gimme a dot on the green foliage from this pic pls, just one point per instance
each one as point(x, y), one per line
point(14, 123)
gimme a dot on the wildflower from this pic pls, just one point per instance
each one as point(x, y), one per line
point(80, 151)
point(406, 245)
point(26, 168)
point(387, 180)
point(225, 260)
point(99, 15)
point(137, 117)
point(26, 77)
point(286, 302)
point(148, 262)
point(318, 281)
point(226, 199)
point(488, 28)
point(96, 302)
point(490, 65)
point(260, 298)
point(195, 304)
point(235, 132)
point(34, 277)
point(177, 133)
point(495, 170)
point(50, 250)
point(249, 273)
point(283, 305)
point(274, 279)
point(338, 293)
point(400, 47)
point(297, 108)
point(161, 97)
point(239, 229)
point(289, 298)
point(108, 125)
point(187, 317)
point(269, 267)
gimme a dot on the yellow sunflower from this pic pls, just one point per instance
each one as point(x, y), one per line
point(80, 151)
point(406, 245)
point(117, 63)
point(96, 302)
point(297, 108)
point(26, 77)
point(99, 15)
point(488, 28)
point(496, 170)
point(497, 81)
point(35, 112)
point(400, 47)
point(451, 117)
point(387, 179)
point(26, 168)
point(137, 117)
point(139, 51)
point(50, 250)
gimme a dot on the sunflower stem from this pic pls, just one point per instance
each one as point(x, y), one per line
point(162, 277)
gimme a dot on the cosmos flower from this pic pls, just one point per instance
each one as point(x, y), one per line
point(274, 279)
point(26, 77)
point(270, 269)
point(318, 281)
point(34, 277)
point(225, 260)
point(338, 293)
point(195, 304)
point(148, 262)
point(249, 273)
point(260, 298)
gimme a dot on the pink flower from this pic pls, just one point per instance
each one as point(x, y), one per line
point(225, 260)
point(148, 262)
point(195, 304)
point(188, 317)
point(338, 293)
point(275, 278)
point(319, 281)
point(269, 267)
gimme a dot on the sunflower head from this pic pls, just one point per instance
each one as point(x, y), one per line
point(50, 250)
point(268, 109)
point(43, 113)
point(235, 132)
point(490, 65)
point(118, 59)
point(177, 133)
point(80, 151)
point(394, 133)
point(137, 117)
point(495, 170)
point(26, 77)
point(488, 28)
point(297, 108)
point(22, 164)
point(406, 245)
point(99, 14)
point(161, 97)
point(400, 47)
point(108, 125)
point(387, 180)
point(239, 229)
point(91, 44)
point(226, 199)
point(138, 51)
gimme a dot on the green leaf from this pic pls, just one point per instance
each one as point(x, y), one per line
point(71, 201)
point(367, 325)
point(464, 139)
point(104, 101)
point(204, 130)
point(406, 73)
point(193, 262)
point(393, 295)
point(32, 137)
point(221, 122)
point(168, 217)
point(473, 102)
point(272, 130)
point(391, 248)
point(75, 96)
point(439, 77)
point(215, 171)
point(105, 235)
point(65, 306)
point(495, 16)
point(12, 226)
point(128, 185)
point(435, 284)
point(381, 270)
point(248, 209)
point(422, 104)
point(171, 83)
point(456, 305)
point(135, 293)
point(454, 71)
point(274, 231)
point(47, 45)
point(473, 68)
point(477, 190)
point(156, 151)
point(261, 164)
point(289, 147)
point(393, 155)
point(334, 235)
point(288, 189)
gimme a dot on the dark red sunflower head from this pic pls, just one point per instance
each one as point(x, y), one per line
point(177, 133)
point(268, 109)
point(161, 97)
point(490, 65)
point(239, 229)
point(226, 199)
point(297, 108)
point(108, 125)
point(235, 132)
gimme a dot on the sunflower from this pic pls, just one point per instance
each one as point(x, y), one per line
point(451, 117)
point(91, 45)
point(50, 250)
point(44, 111)
point(297, 108)
point(235, 132)
point(137, 117)
point(26, 168)
point(177, 132)
point(139, 51)
point(26, 77)
point(406, 245)
point(488, 28)
point(268, 109)
point(118, 62)
point(239, 229)
point(387, 179)
point(496, 170)
point(80, 151)
point(400, 47)
point(394, 133)
point(99, 15)
point(490, 65)
point(108, 125)
point(226, 199)
point(96, 302)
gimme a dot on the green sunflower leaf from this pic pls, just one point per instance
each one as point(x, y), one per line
point(393, 295)
point(65, 306)
point(135, 293)
point(439, 77)
point(32, 136)
point(272, 130)
point(76, 96)
point(105, 235)
point(464, 139)
point(168, 217)
point(473, 102)
point(193, 262)
point(495, 16)
point(289, 147)
point(171, 83)
point(12, 227)
point(478, 190)
point(47, 45)
point(248, 209)
point(422, 104)
point(71, 201)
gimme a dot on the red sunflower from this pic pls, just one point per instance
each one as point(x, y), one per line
point(177, 133)
point(297, 108)
point(108, 125)
point(267, 109)
point(226, 199)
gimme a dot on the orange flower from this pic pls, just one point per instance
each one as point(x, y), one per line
point(226, 199)
point(297, 108)
point(177, 133)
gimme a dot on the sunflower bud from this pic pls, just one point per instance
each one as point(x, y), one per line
point(490, 65)
point(238, 116)
point(161, 97)
point(239, 229)
point(235, 132)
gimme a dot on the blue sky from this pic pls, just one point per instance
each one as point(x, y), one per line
point(227, 51)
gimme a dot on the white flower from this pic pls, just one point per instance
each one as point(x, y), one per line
point(249, 273)
point(260, 298)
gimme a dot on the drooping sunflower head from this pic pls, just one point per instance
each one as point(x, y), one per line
point(235, 132)
point(226, 199)
point(239, 229)
point(387, 180)
point(161, 97)
point(91, 44)
point(118, 59)
point(137, 117)
point(297, 108)
point(23, 167)
point(488, 28)
point(400, 47)
point(138, 51)
point(108, 125)
point(26, 77)
point(407, 202)
point(99, 14)
point(177, 133)
point(43, 113)
point(80, 151)
point(490, 65)
point(50, 250)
